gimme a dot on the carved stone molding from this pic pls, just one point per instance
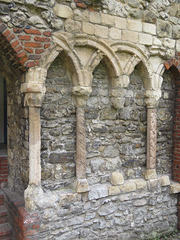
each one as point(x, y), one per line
point(152, 97)
point(81, 95)
point(151, 138)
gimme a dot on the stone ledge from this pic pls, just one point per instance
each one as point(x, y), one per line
point(129, 186)
point(174, 187)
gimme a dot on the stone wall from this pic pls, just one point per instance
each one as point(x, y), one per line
point(17, 136)
point(115, 42)
point(165, 122)
point(58, 129)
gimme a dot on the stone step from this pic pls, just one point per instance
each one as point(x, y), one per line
point(5, 231)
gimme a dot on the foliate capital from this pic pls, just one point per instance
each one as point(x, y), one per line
point(152, 97)
point(81, 95)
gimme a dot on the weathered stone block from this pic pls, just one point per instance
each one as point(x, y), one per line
point(115, 33)
point(101, 31)
point(134, 25)
point(107, 19)
point(63, 11)
point(169, 43)
point(176, 31)
point(88, 28)
point(145, 39)
point(149, 28)
point(116, 178)
point(113, 190)
point(140, 183)
point(128, 187)
point(98, 191)
point(129, 36)
point(95, 17)
point(120, 22)
point(165, 181)
point(178, 45)
point(175, 187)
point(164, 29)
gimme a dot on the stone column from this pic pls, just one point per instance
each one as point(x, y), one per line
point(151, 100)
point(81, 95)
point(34, 91)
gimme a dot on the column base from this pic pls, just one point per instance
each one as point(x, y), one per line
point(32, 195)
point(82, 186)
point(150, 174)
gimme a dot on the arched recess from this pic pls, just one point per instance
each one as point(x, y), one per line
point(12, 70)
point(130, 56)
point(172, 65)
point(92, 51)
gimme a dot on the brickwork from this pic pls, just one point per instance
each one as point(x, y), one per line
point(174, 66)
point(3, 170)
point(25, 45)
point(25, 225)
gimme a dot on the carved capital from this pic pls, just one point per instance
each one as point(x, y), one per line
point(118, 97)
point(34, 88)
point(81, 95)
point(152, 97)
point(34, 99)
point(122, 81)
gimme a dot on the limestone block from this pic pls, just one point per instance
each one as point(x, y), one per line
point(156, 41)
point(94, 17)
point(98, 191)
point(113, 190)
point(149, 28)
point(150, 174)
point(120, 22)
point(101, 31)
point(145, 39)
point(63, 11)
point(165, 181)
point(140, 183)
point(175, 187)
point(169, 43)
point(153, 183)
point(117, 178)
point(129, 36)
point(107, 19)
point(178, 45)
point(164, 29)
point(128, 187)
point(134, 25)
point(88, 28)
point(176, 32)
point(115, 33)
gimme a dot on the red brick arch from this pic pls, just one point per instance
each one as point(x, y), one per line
point(24, 46)
point(174, 66)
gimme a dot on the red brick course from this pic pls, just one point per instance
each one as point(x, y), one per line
point(25, 225)
point(3, 170)
point(25, 46)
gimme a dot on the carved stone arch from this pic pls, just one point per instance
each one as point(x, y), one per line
point(64, 45)
point(135, 55)
point(101, 50)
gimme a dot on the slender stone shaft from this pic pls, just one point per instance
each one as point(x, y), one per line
point(34, 146)
point(151, 138)
point(80, 144)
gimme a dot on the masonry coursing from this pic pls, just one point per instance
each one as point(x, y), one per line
point(124, 206)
